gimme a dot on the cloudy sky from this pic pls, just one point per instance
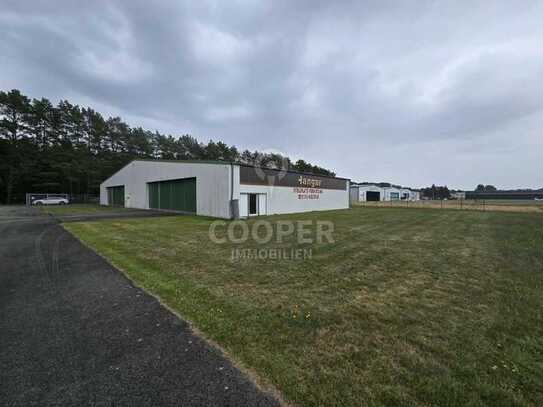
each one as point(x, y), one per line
point(408, 92)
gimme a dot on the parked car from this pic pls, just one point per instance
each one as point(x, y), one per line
point(52, 200)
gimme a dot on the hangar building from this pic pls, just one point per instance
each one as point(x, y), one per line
point(372, 192)
point(221, 189)
point(392, 194)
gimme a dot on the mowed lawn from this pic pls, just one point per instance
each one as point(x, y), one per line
point(410, 307)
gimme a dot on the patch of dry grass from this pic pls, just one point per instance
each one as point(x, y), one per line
point(489, 205)
point(79, 209)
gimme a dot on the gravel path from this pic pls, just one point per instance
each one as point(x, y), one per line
point(75, 331)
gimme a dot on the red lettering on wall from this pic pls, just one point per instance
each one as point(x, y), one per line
point(308, 193)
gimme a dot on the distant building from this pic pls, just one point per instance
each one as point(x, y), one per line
point(458, 195)
point(414, 195)
point(392, 194)
point(366, 192)
point(405, 194)
point(371, 193)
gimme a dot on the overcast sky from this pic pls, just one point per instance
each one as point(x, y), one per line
point(408, 92)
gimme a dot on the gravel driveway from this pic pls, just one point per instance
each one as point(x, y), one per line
point(75, 331)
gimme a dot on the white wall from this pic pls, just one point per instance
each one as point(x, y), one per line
point(212, 184)
point(285, 199)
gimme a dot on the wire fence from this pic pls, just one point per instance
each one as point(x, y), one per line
point(72, 198)
point(462, 204)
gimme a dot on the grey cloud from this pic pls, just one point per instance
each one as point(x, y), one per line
point(408, 92)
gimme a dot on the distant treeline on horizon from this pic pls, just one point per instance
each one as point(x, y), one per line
point(71, 149)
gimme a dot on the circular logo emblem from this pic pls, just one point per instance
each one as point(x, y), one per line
point(271, 159)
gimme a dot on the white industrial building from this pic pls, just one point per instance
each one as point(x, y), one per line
point(414, 195)
point(458, 195)
point(221, 189)
point(405, 194)
point(368, 192)
point(392, 194)
point(372, 192)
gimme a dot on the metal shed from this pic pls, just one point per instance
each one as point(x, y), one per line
point(370, 193)
point(221, 189)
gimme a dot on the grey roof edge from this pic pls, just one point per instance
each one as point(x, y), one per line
point(218, 162)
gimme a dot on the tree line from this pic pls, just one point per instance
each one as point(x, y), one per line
point(71, 149)
point(443, 192)
point(485, 188)
point(436, 192)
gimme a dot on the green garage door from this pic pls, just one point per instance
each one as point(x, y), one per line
point(174, 195)
point(115, 195)
point(153, 195)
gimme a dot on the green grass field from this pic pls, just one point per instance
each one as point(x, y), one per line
point(79, 209)
point(409, 307)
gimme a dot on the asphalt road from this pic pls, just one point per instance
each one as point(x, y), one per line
point(75, 332)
